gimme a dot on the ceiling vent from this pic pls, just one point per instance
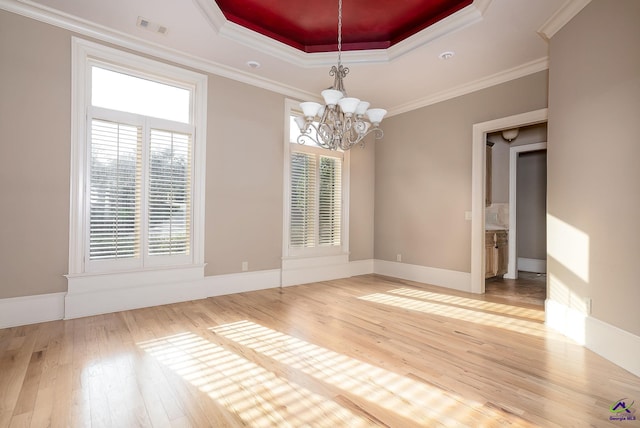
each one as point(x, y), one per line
point(151, 26)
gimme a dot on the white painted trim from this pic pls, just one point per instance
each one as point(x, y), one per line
point(428, 275)
point(314, 269)
point(514, 152)
point(17, 311)
point(523, 70)
point(239, 34)
point(361, 267)
point(51, 16)
point(561, 17)
point(532, 265)
point(616, 345)
point(220, 285)
point(478, 173)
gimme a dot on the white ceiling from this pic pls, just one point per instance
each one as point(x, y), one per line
point(494, 40)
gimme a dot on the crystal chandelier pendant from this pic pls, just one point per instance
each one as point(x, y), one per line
point(343, 121)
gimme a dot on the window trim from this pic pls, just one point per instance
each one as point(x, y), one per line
point(292, 107)
point(84, 54)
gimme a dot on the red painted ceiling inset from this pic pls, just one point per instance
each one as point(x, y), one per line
point(312, 26)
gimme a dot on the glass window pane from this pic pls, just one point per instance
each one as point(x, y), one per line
point(119, 91)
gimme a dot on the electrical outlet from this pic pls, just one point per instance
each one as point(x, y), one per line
point(245, 266)
point(587, 305)
point(467, 215)
point(398, 257)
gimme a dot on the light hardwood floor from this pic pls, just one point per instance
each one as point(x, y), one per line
point(365, 351)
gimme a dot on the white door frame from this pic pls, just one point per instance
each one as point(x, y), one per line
point(478, 179)
point(514, 152)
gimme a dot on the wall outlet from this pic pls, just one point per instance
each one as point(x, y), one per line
point(245, 266)
point(587, 305)
point(467, 215)
point(398, 257)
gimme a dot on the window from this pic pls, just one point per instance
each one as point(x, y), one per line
point(137, 163)
point(314, 192)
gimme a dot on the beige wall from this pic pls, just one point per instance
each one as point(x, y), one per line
point(423, 173)
point(362, 197)
point(244, 177)
point(500, 157)
point(244, 181)
point(531, 204)
point(593, 153)
point(35, 135)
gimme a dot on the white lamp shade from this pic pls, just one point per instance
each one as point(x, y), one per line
point(375, 115)
point(310, 109)
point(300, 122)
point(362, 108)
point(331, 96)
point(510, 134)
point(349, 105)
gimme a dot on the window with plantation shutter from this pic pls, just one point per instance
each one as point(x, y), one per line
point(137, 170)
point(314, 207)
point(169, 193)
point(116, 158)
point(303, 200)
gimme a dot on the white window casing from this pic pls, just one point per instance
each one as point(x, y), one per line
point(316, 190)
point(137, 182)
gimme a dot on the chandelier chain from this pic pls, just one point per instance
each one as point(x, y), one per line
point(339, 32)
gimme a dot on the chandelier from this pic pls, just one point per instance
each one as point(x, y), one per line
point(342, 121)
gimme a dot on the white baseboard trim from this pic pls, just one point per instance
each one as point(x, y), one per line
point(361, 267)
point(532, 265)
point(296, 271)
point(616, 345)
point(441, 277)
point(16, 311)
point(103, 301)
point(220, 285)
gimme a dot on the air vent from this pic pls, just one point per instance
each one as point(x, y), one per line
point(151, 26)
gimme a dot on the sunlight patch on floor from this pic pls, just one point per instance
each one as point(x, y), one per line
point(462, 314)
point(414, 402)
point(499, 308)
point(257, 396)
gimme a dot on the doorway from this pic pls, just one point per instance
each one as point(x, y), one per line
point(518, 188)
point(478, 191)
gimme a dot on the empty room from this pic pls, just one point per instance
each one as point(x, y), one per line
point(340, 213)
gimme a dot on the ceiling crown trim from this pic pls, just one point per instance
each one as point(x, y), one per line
point(252, 39)
point(563, 15)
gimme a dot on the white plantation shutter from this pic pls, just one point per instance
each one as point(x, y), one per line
point(114, 191)
point(303, 200)
point(169, 225)
point(329, 201)
point(316, 200)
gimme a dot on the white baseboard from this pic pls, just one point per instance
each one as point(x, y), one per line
point(616, 345)
point(361, 267)
point(296, 271)
point(532, 265)
point(428, 275)
point(220, 285)
point(104, 301)
point(25, 310)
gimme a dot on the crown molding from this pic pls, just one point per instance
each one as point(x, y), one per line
point(83, 27)
point(467, 88)
point(561, 17)
point(237, 33)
